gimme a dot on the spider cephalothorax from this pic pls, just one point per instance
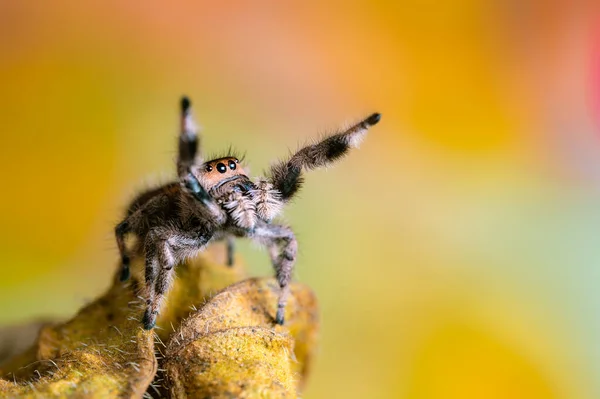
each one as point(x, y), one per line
point(216, 200)
point(215, 173)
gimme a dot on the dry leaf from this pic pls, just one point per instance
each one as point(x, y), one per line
point(233, 348)
point(218, 343)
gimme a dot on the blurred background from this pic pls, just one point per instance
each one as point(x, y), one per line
point(455, 255)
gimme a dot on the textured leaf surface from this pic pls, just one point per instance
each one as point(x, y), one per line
point(215, 338)
point(101, 352)
point(233, 348)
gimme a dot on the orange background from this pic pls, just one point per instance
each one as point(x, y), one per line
point(455, 255)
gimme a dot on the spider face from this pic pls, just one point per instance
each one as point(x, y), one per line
point(220, 171)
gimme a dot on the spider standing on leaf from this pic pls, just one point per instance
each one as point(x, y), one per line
point(216, 200)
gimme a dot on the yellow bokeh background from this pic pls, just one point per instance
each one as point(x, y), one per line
point(454, 255)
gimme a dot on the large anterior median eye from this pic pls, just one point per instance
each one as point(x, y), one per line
point(231, 165)
point(221, 167)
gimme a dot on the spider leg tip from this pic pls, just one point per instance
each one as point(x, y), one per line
point(185, 103)
point(374, 119)
point(148, 326)
point(149, 320)
point(279, 318)
point(124, 275)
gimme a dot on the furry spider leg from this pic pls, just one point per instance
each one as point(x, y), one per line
point(230, 250)
point(167, 244)
point(189, 141)
point(165, 248)
point(286, 177)
point(284, 181)
point(120, 232)
point(283, 248)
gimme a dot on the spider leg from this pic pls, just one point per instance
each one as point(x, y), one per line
point(165, 249)
point(158, 279)
point(188, 140)
point(151, 273)
point(230, 243)
point(120, 231)
point(286, 176)
point(164, 281)
point(283, 248)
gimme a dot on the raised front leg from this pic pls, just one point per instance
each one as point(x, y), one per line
point(283, 248)
point(287, 176)
point(189, 142)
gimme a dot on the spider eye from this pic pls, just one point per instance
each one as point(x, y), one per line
point(209, 168)
point(221, 167)
point(231, 165)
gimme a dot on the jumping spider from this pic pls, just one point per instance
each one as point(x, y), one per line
point(216, 200)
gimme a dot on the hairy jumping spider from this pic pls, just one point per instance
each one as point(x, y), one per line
point(216, 200)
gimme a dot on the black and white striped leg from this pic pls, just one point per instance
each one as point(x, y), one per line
point(189, 141)
point(286, 177)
